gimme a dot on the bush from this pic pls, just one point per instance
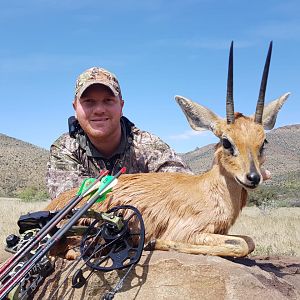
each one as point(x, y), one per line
point(282, 191)
point(263, 196)
point(32, 193)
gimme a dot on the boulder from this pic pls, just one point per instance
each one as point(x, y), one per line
point(173, 275)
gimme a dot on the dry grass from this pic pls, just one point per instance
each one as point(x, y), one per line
point(11, 210)
point(275, 232)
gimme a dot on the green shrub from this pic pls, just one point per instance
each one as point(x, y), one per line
point(281, 191)
point(32, 193)
point(263, 196)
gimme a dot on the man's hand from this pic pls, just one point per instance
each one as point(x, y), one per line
point(266, 174)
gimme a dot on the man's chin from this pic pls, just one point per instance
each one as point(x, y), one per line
point(98, 134)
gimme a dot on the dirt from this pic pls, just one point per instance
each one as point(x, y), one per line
point(285, 267)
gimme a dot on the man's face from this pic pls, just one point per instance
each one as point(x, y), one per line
point(99, 111)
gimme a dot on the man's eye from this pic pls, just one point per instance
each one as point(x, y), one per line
point(86, 101)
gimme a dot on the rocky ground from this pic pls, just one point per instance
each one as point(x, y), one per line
point(171, 275)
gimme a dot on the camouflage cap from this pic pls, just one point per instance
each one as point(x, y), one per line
point(97, 75)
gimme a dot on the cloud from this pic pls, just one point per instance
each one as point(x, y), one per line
point(189, 134)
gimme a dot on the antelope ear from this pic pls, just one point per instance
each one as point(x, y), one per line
point(271, 110)
point(198, 116)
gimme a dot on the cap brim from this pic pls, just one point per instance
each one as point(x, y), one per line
point(91, 82)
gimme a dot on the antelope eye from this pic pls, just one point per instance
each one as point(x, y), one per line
point(262, 148)
point(226, 144)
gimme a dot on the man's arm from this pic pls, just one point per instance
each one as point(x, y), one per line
point(160, 157)
point(64, 170)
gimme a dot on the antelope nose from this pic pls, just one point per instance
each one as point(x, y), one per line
point(254, 178)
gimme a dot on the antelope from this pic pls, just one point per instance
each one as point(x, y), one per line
point(193, 213)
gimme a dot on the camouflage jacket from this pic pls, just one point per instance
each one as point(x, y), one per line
point(74, 159)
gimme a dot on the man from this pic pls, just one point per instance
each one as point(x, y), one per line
point(101, 138)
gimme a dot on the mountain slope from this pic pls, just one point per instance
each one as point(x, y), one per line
point(24, 165)
point(21, 165)
point(282, 150)
point(283, 161)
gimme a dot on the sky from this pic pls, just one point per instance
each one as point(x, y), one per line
point(157, 49)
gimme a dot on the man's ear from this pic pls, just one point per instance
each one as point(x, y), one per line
point(122, 105)
point(74, 103)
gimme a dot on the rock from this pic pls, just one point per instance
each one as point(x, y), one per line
point(172, 275)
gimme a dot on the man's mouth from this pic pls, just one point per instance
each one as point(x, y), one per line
point(100, 120)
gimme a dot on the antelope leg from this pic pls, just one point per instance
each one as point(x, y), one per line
point(210, 244)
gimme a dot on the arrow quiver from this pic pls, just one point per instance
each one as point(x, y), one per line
point(37, 274)
point(29, 227)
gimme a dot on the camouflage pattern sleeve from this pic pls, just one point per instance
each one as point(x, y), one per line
point(64, 170)
point(160, 157)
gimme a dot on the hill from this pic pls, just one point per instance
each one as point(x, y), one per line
point(283, 152)
point(283, 160)
point(23, 165)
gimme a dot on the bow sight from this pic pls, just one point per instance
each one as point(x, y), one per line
point(114, 240)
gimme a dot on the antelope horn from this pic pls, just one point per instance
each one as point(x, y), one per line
point(261, 98)
point(229, 96)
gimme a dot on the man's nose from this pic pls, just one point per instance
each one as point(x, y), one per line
point(99, 108)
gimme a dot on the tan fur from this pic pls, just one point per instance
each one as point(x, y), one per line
point(180, 207)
